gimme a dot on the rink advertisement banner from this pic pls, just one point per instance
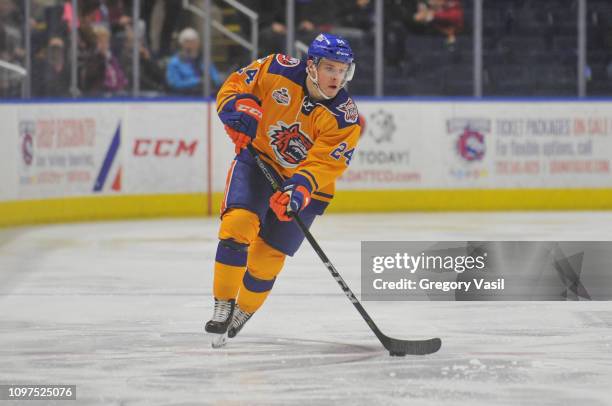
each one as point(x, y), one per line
point(526, 146)
point(439, 154)
point(80, 149)
point(92, 149)
point(486, 270)
point(416, 145)
point(68, 150)
point(165, 149)
point(390, 154)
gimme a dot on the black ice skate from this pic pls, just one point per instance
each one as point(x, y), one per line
point(238, 321)
point(222, 316)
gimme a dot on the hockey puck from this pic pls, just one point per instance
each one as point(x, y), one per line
point(397, 354)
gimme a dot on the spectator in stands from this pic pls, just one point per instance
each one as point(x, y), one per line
point(152, 77)
point(114, 77)
point(113, 14)
point(445, 16)
point(88, 10)
point(51, 77)
point(116, 14)
point(86, 18)
point(185, 71)
point(102, 73)
point(108, 13)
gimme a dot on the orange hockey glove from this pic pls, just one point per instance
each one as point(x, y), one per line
point(240, 140)
point(241, 117)
point(291, 199)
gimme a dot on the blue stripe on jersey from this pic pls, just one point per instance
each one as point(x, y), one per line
point(312, 177)
point(302, 180)
point(323, 195)
point(296, 74)
point(222, 104)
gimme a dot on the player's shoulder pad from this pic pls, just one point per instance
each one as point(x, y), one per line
point(288, 67)
point(344, 109)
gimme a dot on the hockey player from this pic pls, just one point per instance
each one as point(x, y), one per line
point(305, 128)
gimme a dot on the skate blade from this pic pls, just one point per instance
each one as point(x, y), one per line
point(218, 340)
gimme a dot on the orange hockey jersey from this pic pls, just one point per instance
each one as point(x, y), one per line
point(297, 136)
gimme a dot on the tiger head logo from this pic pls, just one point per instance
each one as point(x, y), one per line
point(289, 143)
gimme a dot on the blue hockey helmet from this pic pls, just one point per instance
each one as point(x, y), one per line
point(335, 48)
point(331, 47)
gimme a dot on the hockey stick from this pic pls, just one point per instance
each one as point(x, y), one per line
point(393, 345)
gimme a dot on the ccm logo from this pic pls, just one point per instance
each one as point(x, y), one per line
point(252, 111)
point(164, 147)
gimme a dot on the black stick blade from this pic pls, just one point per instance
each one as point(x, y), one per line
point(411, 347)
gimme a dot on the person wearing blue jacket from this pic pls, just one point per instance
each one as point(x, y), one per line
point(185, 70)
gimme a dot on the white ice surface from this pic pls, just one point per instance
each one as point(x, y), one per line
point(118, 309)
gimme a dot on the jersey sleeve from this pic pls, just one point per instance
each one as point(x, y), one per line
point(329, 157)
point(244, 80)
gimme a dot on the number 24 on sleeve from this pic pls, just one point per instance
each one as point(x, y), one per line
point(341, 151)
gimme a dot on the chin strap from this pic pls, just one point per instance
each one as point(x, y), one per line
point(315, 82)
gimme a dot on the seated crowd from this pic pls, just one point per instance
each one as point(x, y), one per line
point(421, 38)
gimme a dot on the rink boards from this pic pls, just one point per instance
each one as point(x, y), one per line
point(98, 160)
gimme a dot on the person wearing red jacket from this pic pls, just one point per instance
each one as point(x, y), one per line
point(445, 16)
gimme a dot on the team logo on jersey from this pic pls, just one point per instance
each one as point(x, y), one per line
point(350, 111)
point(287, 61)
point(307, 106)
point(289, 143)
point(281, 96)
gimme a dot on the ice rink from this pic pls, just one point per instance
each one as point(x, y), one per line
point(118, 309)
